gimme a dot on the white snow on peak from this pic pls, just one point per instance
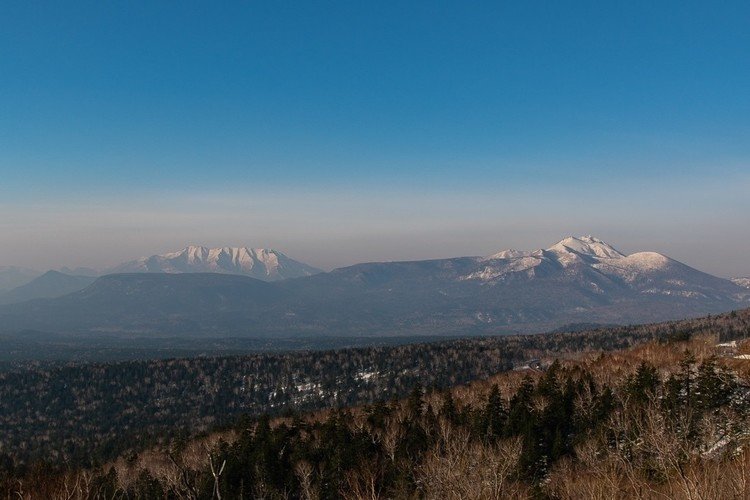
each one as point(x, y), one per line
point(241, 259)
point(582, 245)
point(586, 245)
point(636, 265)
point(508, 254)
point(648, 260)
point(569, 253)
point(256, 262)
point(743, 282)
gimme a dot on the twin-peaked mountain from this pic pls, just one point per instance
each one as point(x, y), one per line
point(597, 267)
point(578, 280)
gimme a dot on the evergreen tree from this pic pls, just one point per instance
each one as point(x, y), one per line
point(642, 385)
point(415, 402)
point(495, 415)
point(448, 411)
point(714, 386)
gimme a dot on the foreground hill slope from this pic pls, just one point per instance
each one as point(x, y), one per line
point(653, 411)
point(578, 280)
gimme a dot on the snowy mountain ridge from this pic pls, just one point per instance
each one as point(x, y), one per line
point(600, 267)
point(260, 263)
point(573, 251)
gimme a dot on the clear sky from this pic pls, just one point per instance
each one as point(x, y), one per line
point(352, 131)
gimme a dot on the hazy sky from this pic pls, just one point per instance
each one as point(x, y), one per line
point(353, 131)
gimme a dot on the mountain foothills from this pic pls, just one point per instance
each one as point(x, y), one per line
point(50, 284)
point(743, 282)
point(577, 280)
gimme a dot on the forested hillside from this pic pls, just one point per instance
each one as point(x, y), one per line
point(80, 417)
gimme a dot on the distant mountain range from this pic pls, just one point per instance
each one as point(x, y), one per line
point(577, 280)
point(11, 277)
point(49, 285)
point(19, 284)
point(259, 263)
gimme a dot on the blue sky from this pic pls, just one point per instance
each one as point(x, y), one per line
point(350, 131)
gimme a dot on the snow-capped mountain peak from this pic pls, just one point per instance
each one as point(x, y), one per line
point(598, 265)
point(261, 263)
point(586, 245)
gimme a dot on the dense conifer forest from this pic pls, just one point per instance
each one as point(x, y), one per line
point(656, 415)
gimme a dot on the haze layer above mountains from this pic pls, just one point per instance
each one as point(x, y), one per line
point(215, 292)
